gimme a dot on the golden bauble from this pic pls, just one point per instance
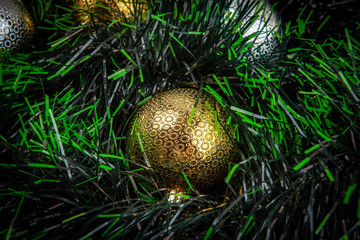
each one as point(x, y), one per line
point(109, 12)
point(17, 27)
point(201, 149)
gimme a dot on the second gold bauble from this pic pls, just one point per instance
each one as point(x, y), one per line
point(108, 12)
point(201, 148)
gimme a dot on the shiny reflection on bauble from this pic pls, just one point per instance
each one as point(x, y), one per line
point(266, 25)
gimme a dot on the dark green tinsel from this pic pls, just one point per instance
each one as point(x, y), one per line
point(65, 108)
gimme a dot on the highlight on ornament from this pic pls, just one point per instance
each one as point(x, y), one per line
point(265, 26)
point(187, 147)
point(16, 25)
point(103, 10)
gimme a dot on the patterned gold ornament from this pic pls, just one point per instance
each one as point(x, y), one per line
point(266, 25)
point(108, 12)
point(201, 148)
point(16, 25)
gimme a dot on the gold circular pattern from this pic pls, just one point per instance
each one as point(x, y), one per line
point(201, 149)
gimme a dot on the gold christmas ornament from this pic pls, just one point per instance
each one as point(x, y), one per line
point(105, 10)
point(176, 144)
point(16, 25)
point(266, 25)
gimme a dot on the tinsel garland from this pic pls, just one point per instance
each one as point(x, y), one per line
point(65, 109)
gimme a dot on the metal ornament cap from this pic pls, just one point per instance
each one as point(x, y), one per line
point(175, 197)
point(177, 148)
point(16, 25)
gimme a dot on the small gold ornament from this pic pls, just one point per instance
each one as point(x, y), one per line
point(16, 25)
point(174, 146)
point(105, 10)
point(266, 25)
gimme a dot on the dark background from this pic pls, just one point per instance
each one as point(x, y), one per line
point(343, 14)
